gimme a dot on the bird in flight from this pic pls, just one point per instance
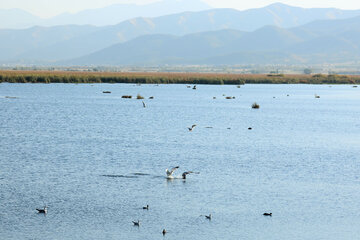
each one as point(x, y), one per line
point(171, 171)
point(192, 127)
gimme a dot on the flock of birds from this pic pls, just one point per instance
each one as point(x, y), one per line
point(169, 175)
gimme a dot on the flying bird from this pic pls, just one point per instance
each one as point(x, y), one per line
point(192, 127)
point(171, 171)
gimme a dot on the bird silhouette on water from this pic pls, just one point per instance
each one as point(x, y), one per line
point(136, 223)
point(42, 210)
point(186, 173)
point(146, 207)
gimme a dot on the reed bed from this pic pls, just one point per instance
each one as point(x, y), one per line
point(170, 78)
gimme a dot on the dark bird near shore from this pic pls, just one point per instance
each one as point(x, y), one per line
point(192, 127)
point(267, 214)
point(194, 87)
point(42, 210)
point(146, 208)
point(136, 223)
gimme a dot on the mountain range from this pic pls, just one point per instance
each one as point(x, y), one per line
point(276, 33)
point(325, 41)
point(20, 19)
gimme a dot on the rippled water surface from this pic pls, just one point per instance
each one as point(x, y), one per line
point(96, 159)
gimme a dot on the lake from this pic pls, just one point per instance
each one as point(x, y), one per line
point(96, 159)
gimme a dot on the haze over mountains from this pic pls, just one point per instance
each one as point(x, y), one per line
point(277, 33)
point(305, 44)
point(116, 13)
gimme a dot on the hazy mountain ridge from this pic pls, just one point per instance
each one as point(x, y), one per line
point(113, 14)
point(269, 44)
point(44, 44)
point(93, 39)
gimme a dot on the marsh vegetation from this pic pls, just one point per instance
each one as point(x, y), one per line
point(171, 78)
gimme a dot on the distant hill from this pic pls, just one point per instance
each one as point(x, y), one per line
point(114, 14)
point(269, 44)
point(50, 44)
point(17, 18)
point(33, 40)
point(18, 45)
point(277, 14)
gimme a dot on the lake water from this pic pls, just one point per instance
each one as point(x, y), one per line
point(96, 159)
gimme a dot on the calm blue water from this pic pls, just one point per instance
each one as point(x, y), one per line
point(81, 151)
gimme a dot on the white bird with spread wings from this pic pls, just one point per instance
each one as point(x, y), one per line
point(171, 171)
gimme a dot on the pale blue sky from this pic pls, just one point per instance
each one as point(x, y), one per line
point(48, 8)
